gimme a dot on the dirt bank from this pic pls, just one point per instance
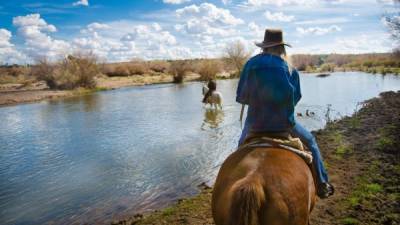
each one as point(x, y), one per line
point(11, 94)
point(362, 155)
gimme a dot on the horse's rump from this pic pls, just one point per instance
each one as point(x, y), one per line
point(263, 186)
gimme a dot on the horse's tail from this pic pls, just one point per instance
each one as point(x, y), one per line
point(247, 199)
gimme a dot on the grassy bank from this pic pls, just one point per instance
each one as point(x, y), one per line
point(362, 155)
point(375, 63)
point(81, 74)
point(11, 94)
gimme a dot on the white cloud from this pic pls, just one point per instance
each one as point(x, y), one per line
point(81, 2)
point(278, 16)
point(197, 30)
point(5, 37)
point(7, 52)
point(94, 27)
point(363, 44)
point(279, 2)
point(150, 34)
point(209, 13)
point(37, 42)
point(333, 20)
point(357, 44)
point(318, 30)
point(258, 31)
point(206, 22)
point(387, 2)
point(175, 1)
point(199, 27)
point(122, 43)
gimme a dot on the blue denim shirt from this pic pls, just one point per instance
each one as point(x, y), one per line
point(271, 90)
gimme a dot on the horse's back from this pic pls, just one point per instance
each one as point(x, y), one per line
point(281, 182)
point(216, 97)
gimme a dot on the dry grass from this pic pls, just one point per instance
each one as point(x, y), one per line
point(74, 71)
point(208, 69)
point(136, 67)
point(179, 70)
point(16, 75)
point(159, 66)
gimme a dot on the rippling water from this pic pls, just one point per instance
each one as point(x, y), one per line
point(96, 158)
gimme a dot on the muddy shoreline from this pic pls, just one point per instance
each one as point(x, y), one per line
point(17, 94)
point(362, 157)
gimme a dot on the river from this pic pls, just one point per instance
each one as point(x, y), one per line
point(100, 157)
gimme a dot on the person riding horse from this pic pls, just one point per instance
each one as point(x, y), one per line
point(212, 86)
point(263, 182)
point(271, 89)
point(211, 96)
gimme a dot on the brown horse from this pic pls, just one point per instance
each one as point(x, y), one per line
point(260, 186)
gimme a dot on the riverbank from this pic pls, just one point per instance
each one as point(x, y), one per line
point(362, 156)
point(372, 70)
point(12, 94)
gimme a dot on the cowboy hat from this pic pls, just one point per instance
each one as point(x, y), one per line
point(272, 37)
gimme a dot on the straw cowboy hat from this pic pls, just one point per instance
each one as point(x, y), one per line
point(272, 37)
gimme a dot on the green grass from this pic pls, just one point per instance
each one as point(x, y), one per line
point(169, 211)
point(385, 139)
point(343, 149)
point(342, 146)
point(365, 189)
point(354, 201)
point(349, 221)
point(355, 122)
point(100, 89)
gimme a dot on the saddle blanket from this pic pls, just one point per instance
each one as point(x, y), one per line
point(290, 144)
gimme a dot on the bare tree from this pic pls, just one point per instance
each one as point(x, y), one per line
point(393, 22)
point(236, 55)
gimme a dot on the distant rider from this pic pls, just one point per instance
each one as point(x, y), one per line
point(212, 86)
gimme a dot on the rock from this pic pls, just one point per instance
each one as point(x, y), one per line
point(203, 186)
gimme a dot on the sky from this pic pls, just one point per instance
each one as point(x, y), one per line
point(122, 30)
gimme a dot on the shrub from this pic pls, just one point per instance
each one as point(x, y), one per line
point(159, 66)
point(327, 67)
point(208, 69)
point(44, 70)
point(310, 69)
point(16, 71)
point(116, 70)
point(74, 71)
point(179, 69)
point(137, 68)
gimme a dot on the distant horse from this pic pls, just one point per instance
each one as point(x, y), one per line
point(263, 186)
point(215, 99)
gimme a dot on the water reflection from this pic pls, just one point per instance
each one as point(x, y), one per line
point(212, 118)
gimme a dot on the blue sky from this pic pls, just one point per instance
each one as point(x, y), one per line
point(163, 29)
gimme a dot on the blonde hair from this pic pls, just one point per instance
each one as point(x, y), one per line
point(279, 50)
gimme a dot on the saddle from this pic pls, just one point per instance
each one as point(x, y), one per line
point(281, 140)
